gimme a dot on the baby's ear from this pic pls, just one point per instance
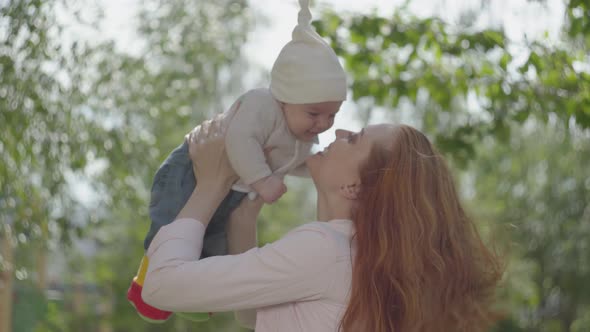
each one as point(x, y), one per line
point(351, 191)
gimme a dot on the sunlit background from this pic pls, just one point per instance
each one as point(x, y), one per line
point(94, 95)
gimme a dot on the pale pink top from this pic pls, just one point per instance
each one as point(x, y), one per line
point(298, 283)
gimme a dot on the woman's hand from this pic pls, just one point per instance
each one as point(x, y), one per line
point(211, 166)
point(212, 170)
point(207, 151)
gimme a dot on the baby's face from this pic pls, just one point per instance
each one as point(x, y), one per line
point(306, 121)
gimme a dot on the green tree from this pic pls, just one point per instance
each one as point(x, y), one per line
point(461, 85)
point(42, 130)
point(188, 67)
point(82, 110)
point(536, 189)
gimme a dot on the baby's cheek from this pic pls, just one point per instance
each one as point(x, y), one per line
point(312, 125)
point(304, 124)
point(315, 123)
point(330, 123)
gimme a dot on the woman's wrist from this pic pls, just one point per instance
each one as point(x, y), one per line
point(203, 202)
point(215, 185)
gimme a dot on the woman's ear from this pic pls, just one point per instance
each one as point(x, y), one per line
point(350, 191)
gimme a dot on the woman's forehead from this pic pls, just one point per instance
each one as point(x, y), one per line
point(379, 130)
point(382, 133)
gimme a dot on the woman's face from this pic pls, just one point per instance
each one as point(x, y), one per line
point(339, 164)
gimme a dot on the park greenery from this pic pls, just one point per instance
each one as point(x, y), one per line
point(84, 126)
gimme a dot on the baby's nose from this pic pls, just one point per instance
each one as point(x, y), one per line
point(324, 124)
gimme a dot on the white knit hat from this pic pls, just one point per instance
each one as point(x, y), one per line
point(307, 70)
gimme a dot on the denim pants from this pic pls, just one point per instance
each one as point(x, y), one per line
point(173, 184)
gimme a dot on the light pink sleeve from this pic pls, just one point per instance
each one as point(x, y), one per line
point(294, 268)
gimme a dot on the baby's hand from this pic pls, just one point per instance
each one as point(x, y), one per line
point(270, 188)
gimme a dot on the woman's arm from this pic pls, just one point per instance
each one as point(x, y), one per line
point(295, 268)
point(211, 167)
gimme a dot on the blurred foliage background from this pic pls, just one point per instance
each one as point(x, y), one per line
point(84, 127)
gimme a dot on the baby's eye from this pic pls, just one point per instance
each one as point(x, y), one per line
point(350, 138)
point(312, 114)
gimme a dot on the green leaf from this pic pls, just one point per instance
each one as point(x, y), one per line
point(505, 60)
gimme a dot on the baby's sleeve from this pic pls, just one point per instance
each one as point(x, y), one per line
point(247, 134)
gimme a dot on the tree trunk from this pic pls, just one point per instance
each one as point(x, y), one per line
point(106, 311)
point(6, 280)
point(42, 269)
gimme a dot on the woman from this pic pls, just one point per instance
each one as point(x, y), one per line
point(393, 249)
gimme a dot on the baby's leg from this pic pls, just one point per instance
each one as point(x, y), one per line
point(173, 184)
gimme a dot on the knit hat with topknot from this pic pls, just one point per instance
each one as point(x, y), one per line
point(307, 70)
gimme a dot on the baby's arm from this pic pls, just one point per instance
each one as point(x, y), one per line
point(270, 188)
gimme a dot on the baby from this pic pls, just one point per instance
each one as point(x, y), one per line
point(270, 134)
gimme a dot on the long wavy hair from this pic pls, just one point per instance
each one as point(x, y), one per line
point(420, 264)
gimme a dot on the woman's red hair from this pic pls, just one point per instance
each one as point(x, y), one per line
point(420, 264)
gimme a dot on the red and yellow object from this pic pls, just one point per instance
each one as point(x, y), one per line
point(145, 311)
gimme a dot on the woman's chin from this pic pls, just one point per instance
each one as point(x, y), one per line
point(313, 158)
point(312, 162)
